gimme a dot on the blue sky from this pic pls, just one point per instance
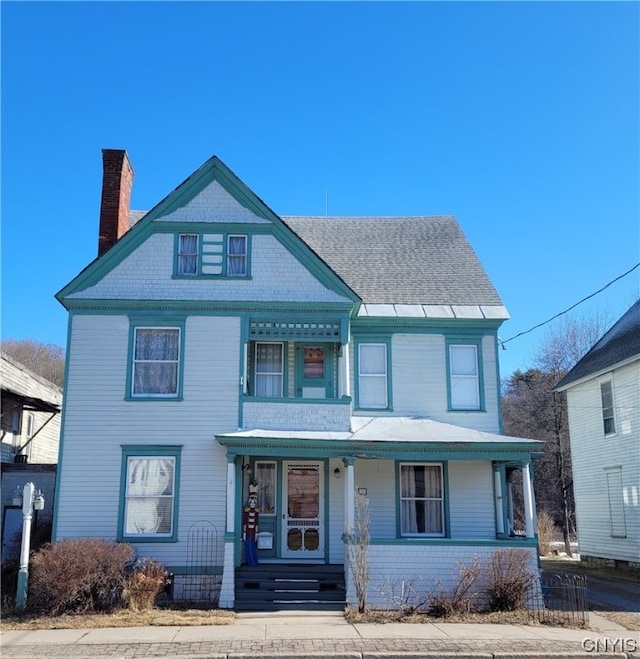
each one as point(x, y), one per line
point(521, 119)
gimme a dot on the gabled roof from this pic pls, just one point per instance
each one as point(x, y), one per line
point(620, 344)
point(400, 260)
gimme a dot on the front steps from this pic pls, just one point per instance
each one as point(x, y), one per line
point(285, 587)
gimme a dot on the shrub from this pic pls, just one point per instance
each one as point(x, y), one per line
point(79, 575)
point(509, 580)
point(357, 541)
point(144, 584)
point(546, 532)
point(462, 597)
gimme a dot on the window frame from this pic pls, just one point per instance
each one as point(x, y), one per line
point(150, 452)
point(182, 255)
point(217, 249)
point(283, 373)
point(608, 411)
point(274, 465)
point(386, 343)
point(453, 342)
point(444, 533)
point(161, 324)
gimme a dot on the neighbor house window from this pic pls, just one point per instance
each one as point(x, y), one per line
point(237, 256)
point(156, 362)
point(421, 500)
point(373, 392)
point(464, 380)
point(617, 522)
point(269, 370)
point(606, 395)
point(188, 254)
point(150, 487)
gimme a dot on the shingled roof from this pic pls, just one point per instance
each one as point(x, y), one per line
point(619, 344)
point(400, 260)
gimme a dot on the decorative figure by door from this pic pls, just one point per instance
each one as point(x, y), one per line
point(250, 525)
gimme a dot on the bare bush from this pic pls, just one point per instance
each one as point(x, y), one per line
point(547, 530)
point(508, 580)
point(144, 584)
point(79, 575)
point(357, 541)
point(462, 597)
point(404, 595)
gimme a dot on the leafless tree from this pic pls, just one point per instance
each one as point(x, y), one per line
point(44, 359)
point(531, 408)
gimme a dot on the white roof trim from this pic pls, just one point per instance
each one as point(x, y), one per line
point(434, 311)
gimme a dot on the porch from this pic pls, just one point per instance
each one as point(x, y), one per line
point(435, 492)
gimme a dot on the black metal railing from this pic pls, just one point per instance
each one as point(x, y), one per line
point(560, 599)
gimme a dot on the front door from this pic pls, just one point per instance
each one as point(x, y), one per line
point(303, 510)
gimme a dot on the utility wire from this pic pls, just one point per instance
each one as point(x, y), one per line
point(502, 343)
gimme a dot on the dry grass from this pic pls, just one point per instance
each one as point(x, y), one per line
point(122, 618)
point(630, 621)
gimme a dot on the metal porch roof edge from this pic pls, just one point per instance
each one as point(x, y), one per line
point(418, 432)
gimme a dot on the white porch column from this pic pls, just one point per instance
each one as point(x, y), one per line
point(231, 493)
point(529, 507)
point(497, 479)
point(349, 496)
point(344, 378)
point(227, 589)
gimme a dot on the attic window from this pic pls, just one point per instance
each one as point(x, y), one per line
point(212, 255)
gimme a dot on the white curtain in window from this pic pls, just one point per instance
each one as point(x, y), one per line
point(237, 256)
point(421, 496)
point(188, 254)
point(372, 385)
point(156, 361)
point(269, 370)
point(266, 477)
point(464, 377)
point(149, 507)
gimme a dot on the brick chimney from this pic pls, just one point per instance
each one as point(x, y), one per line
point(117, 181)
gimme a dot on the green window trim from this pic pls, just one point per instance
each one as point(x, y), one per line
point(445, 533)
point(151, 452)
point(161, 323)
point(373, 341)
point(465, 342)
point(217, 254)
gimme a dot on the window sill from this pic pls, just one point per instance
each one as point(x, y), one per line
point(153, 399)
point(152, 539)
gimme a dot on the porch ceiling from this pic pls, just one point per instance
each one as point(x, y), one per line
point(384, 437)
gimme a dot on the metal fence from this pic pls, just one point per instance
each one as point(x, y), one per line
point(560, 599)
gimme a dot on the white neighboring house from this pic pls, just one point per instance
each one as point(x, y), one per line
point(214, 342)
point(30, 431)
point(603, 400)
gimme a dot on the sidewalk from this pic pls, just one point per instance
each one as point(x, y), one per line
point(324, 635)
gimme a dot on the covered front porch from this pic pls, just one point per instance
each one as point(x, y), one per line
point(436, 494)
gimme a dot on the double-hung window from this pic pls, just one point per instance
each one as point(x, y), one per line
point(608, 418)
point(236, 256)
point(149, 493)
point(373, 390)
point(269, 370)
point(188, 254)
point(422, 500)
point(464, 377)
point(155, 361)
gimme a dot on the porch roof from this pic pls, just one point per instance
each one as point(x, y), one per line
point(383, 437)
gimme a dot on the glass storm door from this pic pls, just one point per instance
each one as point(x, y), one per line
point(303, 510)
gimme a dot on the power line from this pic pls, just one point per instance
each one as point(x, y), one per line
point(584, 299)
